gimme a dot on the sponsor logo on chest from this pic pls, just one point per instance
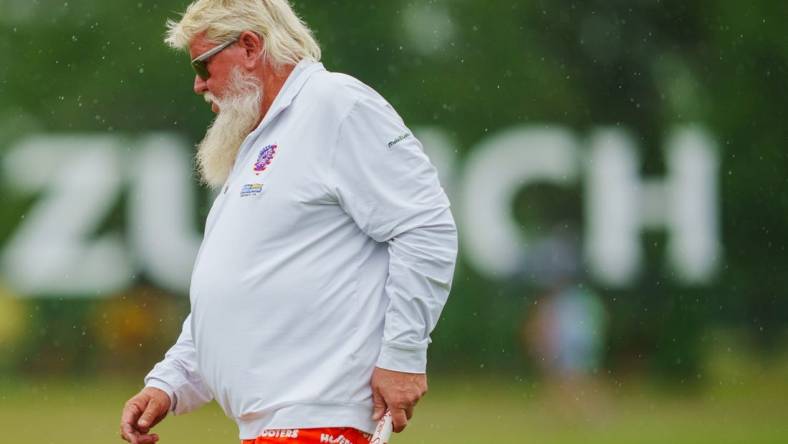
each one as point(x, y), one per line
point(264, 159)
point(251, 189)
point(261, 164)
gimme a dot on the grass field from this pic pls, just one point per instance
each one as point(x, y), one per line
point(739, 402)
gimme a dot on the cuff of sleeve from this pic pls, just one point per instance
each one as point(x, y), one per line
point(403, 359)
point(166, 388)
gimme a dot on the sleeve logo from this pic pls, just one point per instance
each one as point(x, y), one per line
point(398, 139)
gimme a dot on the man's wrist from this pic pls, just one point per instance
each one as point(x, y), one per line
point(165, 387)
point(403, 359)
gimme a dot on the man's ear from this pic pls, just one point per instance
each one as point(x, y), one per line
point(252, 44)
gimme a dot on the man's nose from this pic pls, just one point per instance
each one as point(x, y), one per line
point(200, 85)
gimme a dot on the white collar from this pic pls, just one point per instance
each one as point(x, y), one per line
point(293, 85)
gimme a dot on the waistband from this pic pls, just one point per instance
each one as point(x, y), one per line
point(309, 416)
point(338, 435)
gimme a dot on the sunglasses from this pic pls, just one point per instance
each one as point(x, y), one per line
point(200, 63)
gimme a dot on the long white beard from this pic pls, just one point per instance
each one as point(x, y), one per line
point(239, 110)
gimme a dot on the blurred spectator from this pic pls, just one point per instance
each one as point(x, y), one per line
point(565, 331)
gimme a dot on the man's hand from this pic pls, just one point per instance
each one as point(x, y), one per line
point(397, 392)
point(141, 413)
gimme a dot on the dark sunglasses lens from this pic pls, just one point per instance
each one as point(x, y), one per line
point(201, 70)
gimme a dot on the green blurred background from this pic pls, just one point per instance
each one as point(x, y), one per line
point(617, 171)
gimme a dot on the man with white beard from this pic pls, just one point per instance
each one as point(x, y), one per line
point(328, 253)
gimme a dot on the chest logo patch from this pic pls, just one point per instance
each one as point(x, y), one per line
point(264, 159)
point(251, 189)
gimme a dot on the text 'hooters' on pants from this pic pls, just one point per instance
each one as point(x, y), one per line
point(337, 435)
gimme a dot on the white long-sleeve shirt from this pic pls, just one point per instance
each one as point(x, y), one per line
point(329, 251)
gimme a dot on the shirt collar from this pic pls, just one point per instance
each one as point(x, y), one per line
point(293, 85)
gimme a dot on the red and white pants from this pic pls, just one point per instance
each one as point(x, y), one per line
point(335, 435)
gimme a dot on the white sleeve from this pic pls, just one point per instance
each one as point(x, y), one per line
point(386, 183)
point(178, 376)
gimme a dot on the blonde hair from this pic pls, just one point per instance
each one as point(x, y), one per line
point(286, 38)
